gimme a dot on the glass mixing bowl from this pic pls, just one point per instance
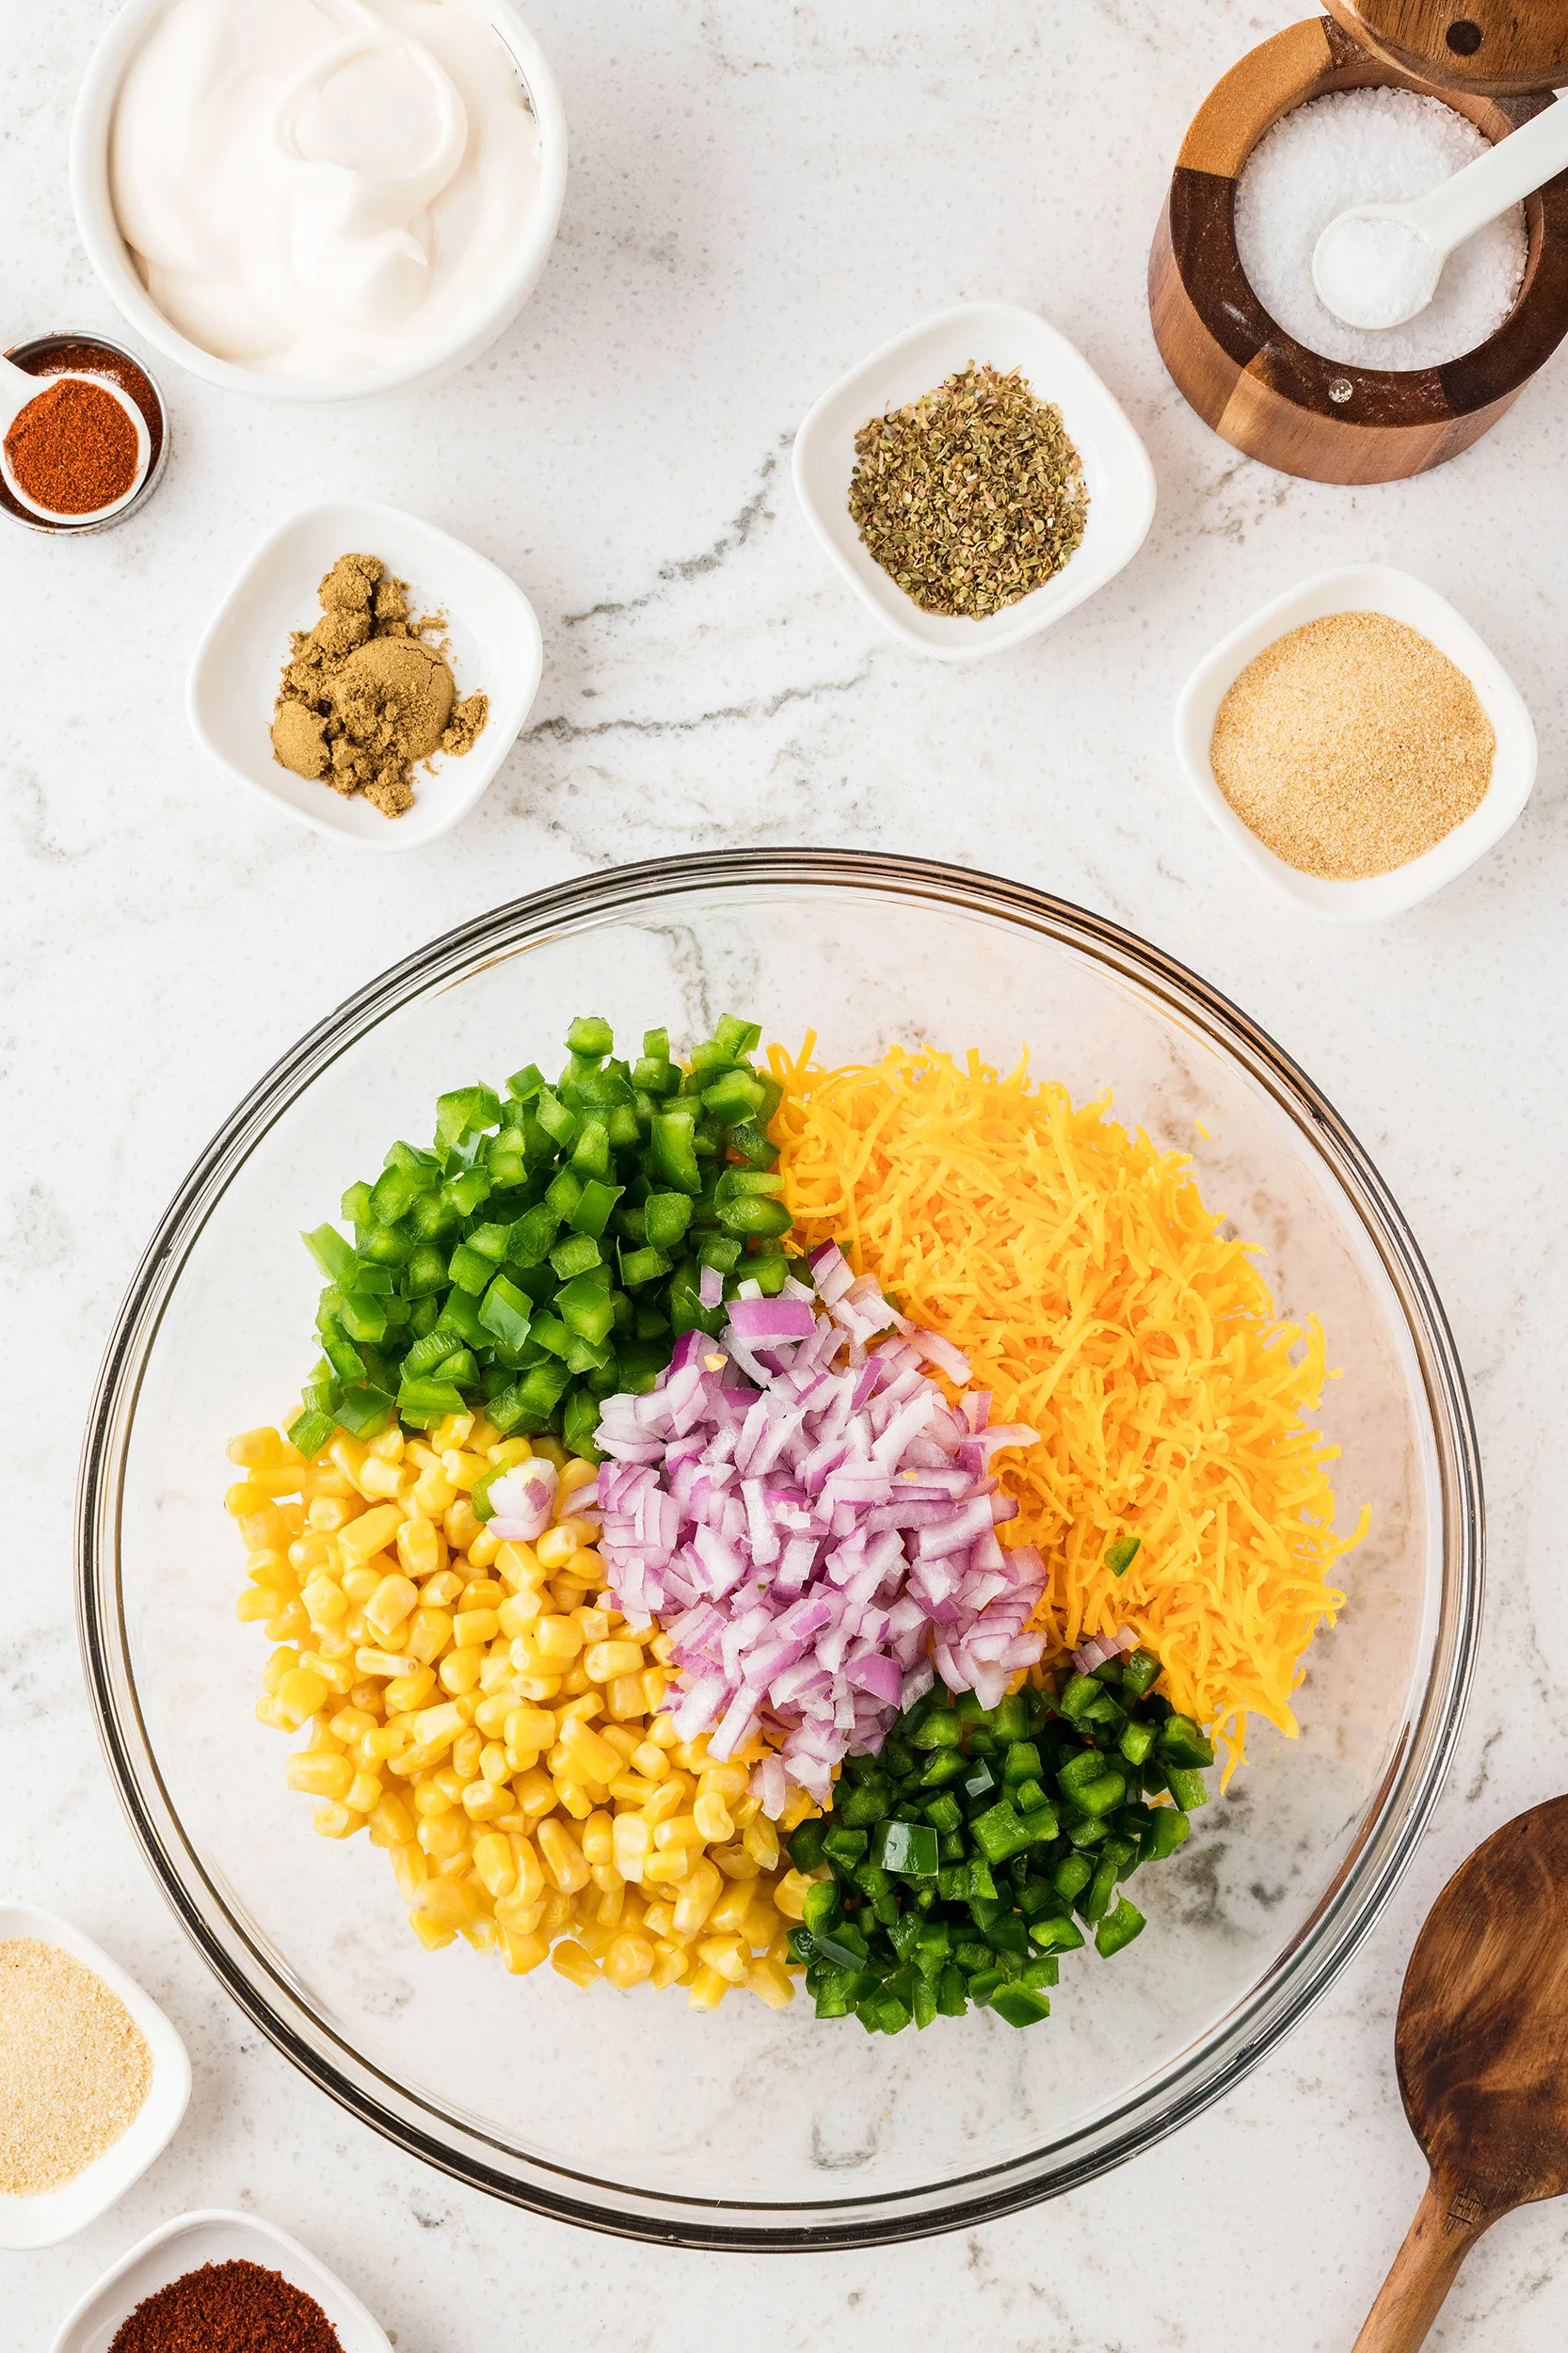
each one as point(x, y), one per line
point(748, 2128)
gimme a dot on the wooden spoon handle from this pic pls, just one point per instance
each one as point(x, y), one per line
point(1423, 2271)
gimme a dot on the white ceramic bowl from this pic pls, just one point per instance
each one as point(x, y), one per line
point(1364, 588)
point(215, 2237)
point(492, 630)
point(58, 2214)
point(106, 251)
point(1116, 468)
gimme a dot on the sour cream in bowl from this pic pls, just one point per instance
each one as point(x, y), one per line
point(319, 197)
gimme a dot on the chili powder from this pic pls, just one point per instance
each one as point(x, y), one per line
point(73, 449)
point(228, 2307)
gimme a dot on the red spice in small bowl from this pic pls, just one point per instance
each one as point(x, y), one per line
point(235, 2307)
point(74, 352)
point(73, 449)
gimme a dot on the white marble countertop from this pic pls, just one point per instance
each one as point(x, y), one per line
point(758, 194)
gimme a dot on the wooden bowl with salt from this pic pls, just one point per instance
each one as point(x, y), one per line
point(1260, 389)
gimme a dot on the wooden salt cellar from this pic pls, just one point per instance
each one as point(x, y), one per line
point(1259, 389)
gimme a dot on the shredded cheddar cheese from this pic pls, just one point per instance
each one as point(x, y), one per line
point(1078, 1271)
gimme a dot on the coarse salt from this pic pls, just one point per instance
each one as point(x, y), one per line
point(1371, 147)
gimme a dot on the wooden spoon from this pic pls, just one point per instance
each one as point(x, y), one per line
point(1481, 2051)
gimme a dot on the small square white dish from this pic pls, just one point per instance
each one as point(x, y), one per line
point(58, 2214)
point(1116, 469)
point(491, 628)
point(211, 2238)
point(1364, 588)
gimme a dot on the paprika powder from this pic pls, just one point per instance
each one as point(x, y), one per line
point(233, 2307)
point(73, 449)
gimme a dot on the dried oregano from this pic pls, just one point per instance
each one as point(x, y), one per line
point(971, 496)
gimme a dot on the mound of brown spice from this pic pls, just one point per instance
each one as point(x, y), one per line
point(364, 697)
point(970, 497)
point(235, 2307)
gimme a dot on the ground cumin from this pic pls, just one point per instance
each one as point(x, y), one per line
point(228, 2307)
point(364, 697)
point(73, 449)
point(1351, 746)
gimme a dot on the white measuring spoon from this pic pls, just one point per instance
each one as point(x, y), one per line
point(1379, 265)
point(17, 391)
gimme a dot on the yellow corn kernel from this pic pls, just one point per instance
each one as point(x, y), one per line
point(493, 1711)
point(760, 1841)
point(695, 1899)
point(521, 1953)
point(440, 1591)
point(534, 1792)
point(333, 1820)
point(408, 1693)
point(466, 1746)
point(473, 1626)
point(574, 1964)
point(363, 1793)
point(713, 1820)
point(444, 1837)
point(255, 1449)
point(671, 1963)
point(655, 1683)
point(494, 1862)
point(662, 1647)
point(625, 1743)
point(459, 1671)
point(593, 1758)
point(727, 1955)
point(674, 1864)
point(379, 1478)
point(531, 1882)
point(483, 1802)
point(440, 1723)
point(649, 1761)
point(273, 1569)
point(556, 1639)
point(421, 1547)
point(530, 1728)
point(519, 1565)
point(667, 1798)
point(429, 1634)
point(290, 1624)
point(254, 1605)
point(245, 1498)
point(598, 1837)
point(432, 1494)
point(409, 1869)
point(391, 1603)
point(789, 1895)
point(299, 1695)
point(623, 1696)
point(605, 1661)
point(452, 1902)
point(771, 1983)
point(463, 1469)
point(763, 1924)
point(518, 1614)
point(483, 1549)
point(327, 1513)
point(571, 1476)
point(584, 1568)
point(325, 1601)
point(430, 1799)
point(391, 1823)
point(629, 1961)
point(336, 1673)
point(459, 1522)
point(557, 1545)
point(493, 1767)
point(681, 1830)
point(628, 1790)
point(729, 1914)
point(736, 1864)
point(707, 1989)
point(430, 1932)
point(573, 1799)
point(728, 1782)
point(630, 1843)
point(320, 1773)
point(563, 1857)
point(368, 1532)
point(388, 1445)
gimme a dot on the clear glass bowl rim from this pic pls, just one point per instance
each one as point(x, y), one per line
point(1396, 1819)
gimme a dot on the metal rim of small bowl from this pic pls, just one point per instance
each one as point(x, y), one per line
point(65, 528)
point(1397, 1816)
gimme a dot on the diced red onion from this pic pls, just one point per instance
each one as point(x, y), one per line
point(817, 1536)
point(1099, 1648)
point(523, 1501)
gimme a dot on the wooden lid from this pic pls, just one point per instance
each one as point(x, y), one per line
point(1504, 48)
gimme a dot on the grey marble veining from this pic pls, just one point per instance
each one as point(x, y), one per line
point(758, 194)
